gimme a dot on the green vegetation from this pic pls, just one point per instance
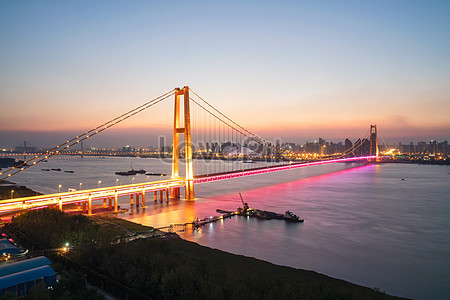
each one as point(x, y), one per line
point(125, 225)
point(171, 268)
point(51, 228)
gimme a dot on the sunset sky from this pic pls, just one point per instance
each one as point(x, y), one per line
point(298, 70)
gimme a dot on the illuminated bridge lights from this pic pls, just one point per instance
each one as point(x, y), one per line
point(277, 168)
point(41, 201)
point(40, 204)
point(34, 202)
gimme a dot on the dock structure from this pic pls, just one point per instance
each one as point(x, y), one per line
point(246, 212)
point(197, 223)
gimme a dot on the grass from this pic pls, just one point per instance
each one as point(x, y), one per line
point(133, 227)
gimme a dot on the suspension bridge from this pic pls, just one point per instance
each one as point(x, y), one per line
point(200, 133)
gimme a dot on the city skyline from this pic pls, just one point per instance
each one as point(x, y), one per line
point(295, 70)
point(164, 144)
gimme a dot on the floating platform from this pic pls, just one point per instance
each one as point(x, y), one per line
point(263, 214)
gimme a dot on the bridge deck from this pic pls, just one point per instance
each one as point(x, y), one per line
point(18, 204)
point(255, 171)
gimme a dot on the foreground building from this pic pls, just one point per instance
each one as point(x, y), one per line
point(20, 277)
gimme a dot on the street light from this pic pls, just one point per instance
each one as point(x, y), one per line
point(81, 185)
point(59, 188)
point(117, 180)
point(132, 180)
point(99, 183)
point(147, 178)
point(12, 193)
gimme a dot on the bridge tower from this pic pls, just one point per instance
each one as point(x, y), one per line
point(374, 141)
point(186, 130)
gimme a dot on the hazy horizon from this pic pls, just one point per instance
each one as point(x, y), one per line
point(141, 139)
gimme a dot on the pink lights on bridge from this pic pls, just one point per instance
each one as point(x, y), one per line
point(61, 199)
point(35, 202)
point(278, 168)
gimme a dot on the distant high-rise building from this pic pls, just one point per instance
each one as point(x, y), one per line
point(340, 147)
point(309, 147)
point(321, 142)
point(348, 145)
point(365, 147)
point(442, 148)
point(432, 147)
point(421, 148)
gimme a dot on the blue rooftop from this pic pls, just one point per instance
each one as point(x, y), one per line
point(25, 276)
point(6, 247)
point(24, 265)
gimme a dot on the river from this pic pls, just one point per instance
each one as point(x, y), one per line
point(383, 226)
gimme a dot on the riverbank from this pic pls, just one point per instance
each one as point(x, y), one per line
point(159, 265)
point(19, 191)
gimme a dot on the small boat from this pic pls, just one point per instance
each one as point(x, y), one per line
point(290, 217)
point(155, 174)
point(57, 169)
point(127, 173)
point(45, 169)
point(131, 172)
point(68, 171)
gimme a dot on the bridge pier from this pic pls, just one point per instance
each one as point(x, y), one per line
point(167, 195)
point(143, 198)
point(110, 203)
point(90, 206)
point(137, 200)
point(116, 205)
point(131, 200)
point(104, 202)
point(161, 196)
point(156, 196)
point(175, 194)
point(60, 204)
point(84, 207)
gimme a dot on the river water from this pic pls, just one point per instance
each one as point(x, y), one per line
point(383, 226)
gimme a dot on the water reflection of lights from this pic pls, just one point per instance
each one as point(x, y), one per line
point(181, 211)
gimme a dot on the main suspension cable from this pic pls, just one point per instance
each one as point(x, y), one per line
point(56, 150)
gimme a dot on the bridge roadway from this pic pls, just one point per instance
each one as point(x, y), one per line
point(163, 186)
point(88, 196)
point(262, 170)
